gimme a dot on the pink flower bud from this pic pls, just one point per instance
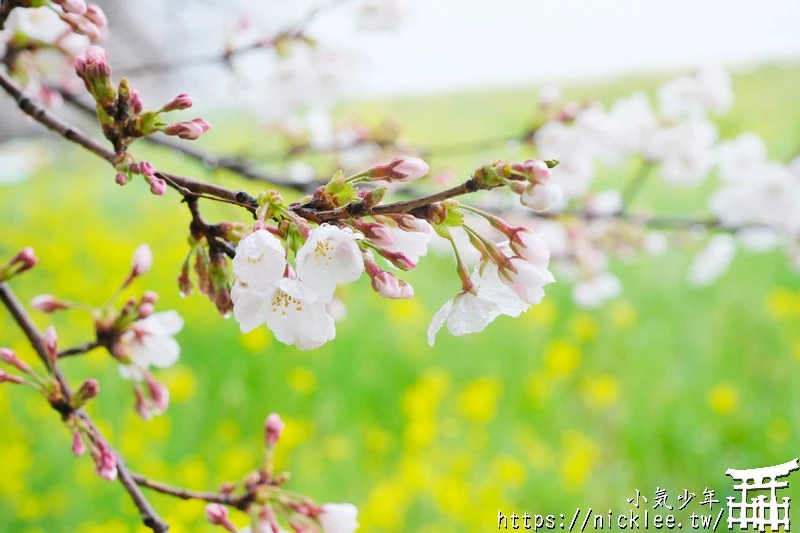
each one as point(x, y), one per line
point(142, 260)
point(159, 394)
point(389, 286)
point(96, 54)
point(88, 390)
point(145, 310)
point(412, 223)
point(146, 168)
point(74, 7)
point(218, 515)
point(136, 102)
point(536, 170)
point(149, 297)
point(5, 377)
point(47, 303)
point(182, 101)
point(121, 178)
point(273, 427)
point(78, 447)
point(376, 232)
point(50, 341)
point(158, 186)
point(24, 260)
point(189, 130)
point(96, 16)
point(11, 358)
point(398, 259)
point(105, 461)
point(401, 169)
point(80, 66)
point(141, 405)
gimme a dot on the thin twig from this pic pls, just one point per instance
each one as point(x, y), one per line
point(186, 494)
point(149, 517)
point(80, 349)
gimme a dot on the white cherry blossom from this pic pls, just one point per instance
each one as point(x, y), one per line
point(296, 315)
point(596, 291)
point(541, 196)
point(330, 255)
point(527, 280)
point(150, 342)
point(412, 244)
point(260, 259)
point(339, 518)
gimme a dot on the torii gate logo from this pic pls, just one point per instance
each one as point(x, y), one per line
point(758, 511)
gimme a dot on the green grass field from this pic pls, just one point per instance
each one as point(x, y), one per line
point(561, 408)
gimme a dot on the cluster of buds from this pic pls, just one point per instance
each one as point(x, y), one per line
point(134, 334)
point(269, 506)
point(530, 179)
point(145, 169)
point(24, 260)
point(290, 297)
point(121, 113)
point(84, 18)
point(213, 278)
point(10, 358)
point(209, 262)
point(105, 460)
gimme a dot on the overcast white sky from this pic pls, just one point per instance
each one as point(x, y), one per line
point(457, 44)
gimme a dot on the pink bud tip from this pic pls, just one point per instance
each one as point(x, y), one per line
point(182, 101)
point(78, 447)
point(204, 125)
point(537, 170)
point(96, 15)
point(149, 297)
point(403, 169)
point(146, 169)
point(159, 394)
point(142, 260)
point(136, 102)
point(218, 515)
point(74, 7)
point(158, 186)
point(47, 303)
point(5, 377)
point(145, 310)
point(121, 178)
point(273, 427)
point(50, 340)
point(11, 358)
point(88, 390)
point(26, 258)
point(96, 54)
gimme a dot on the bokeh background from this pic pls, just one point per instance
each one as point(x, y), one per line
point(667, 386)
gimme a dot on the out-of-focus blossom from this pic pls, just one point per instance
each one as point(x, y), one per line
point(150, 342)
point(712, 261)
point(596, 291)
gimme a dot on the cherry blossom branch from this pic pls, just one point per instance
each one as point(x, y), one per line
point(81, 349)
point(238, 165)
point(191, 188)
point(238, 502)
point(149, 517)
point(294, 33)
